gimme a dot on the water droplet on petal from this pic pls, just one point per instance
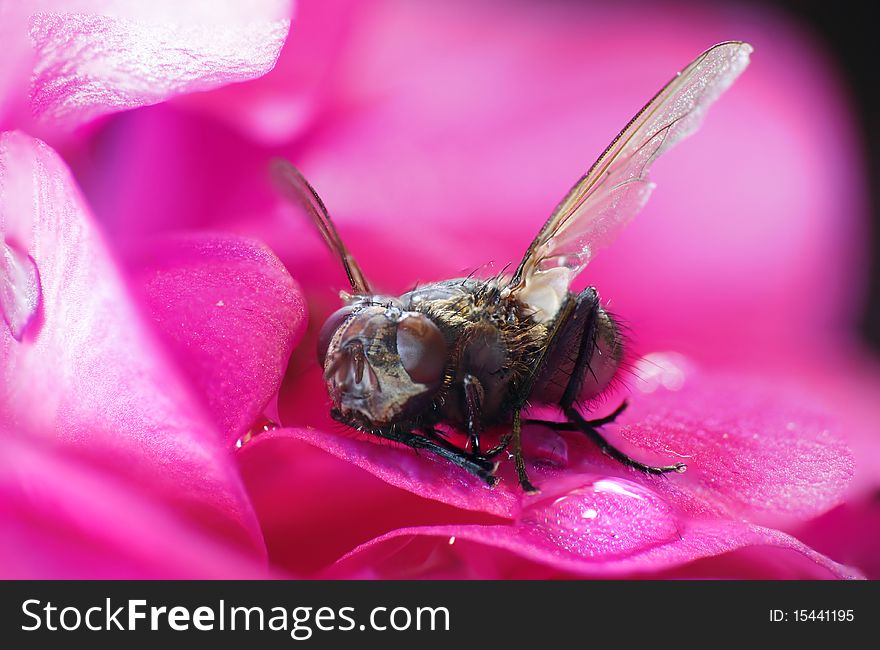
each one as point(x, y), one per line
point(19, 289)
point(607, 518)
point(262, 425)
point(589, 513)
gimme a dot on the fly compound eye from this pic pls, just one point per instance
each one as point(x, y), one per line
point(422, 349)
point(328, 329)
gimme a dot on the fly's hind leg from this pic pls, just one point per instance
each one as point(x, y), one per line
point(570, 426)
point(611, 417)
point(587, 314)
point(577, 421)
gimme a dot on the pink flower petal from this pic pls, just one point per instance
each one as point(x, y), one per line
point(457, 552)
point(421, 474)
point(314, 507)
point(850, 380)
point(231, 314)
point(848, 377)
point(849, 533)
point(91, 376)
point(104, 57)
point(62, 519)
point(300, 90)
point(755, 447)
point(15, 64)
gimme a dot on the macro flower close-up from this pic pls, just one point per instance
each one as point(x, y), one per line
point(164, 412)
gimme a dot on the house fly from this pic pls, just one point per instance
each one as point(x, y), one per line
point(470, 353)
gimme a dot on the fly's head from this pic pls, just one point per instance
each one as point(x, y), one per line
point(382, 364)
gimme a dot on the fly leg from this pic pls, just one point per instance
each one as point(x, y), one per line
point(514, 437)
point(611, 417)
point(578, 421)
point(479, 467)
point(518, 455)
point(473, 392)
point(503, 444)
point(484, 466)
point(473, 398)
point(587, 304)
point(569, 426)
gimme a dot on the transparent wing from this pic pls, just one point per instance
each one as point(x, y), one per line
point(294, 186)
point(616, 187)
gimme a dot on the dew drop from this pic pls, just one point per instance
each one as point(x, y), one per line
point(607, 518)
point(19, 289)
point(262, 425)
point(589, 513)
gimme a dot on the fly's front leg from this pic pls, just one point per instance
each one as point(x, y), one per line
point(480, 467)
point(473, 399)
point(503, 444)
point(473, 392)
point(514, 438)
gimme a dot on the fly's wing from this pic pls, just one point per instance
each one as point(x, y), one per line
point(616, 187)
point(295, 187)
